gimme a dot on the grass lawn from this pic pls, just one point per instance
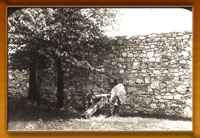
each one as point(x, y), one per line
point(27, 117)
point(101, 123)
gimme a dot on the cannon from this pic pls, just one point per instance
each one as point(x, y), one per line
point(100, 100)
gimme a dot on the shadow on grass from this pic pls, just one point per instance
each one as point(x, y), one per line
point(157, 116)
point(19, 109)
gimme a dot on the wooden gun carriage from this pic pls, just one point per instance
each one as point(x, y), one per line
point(103, 100)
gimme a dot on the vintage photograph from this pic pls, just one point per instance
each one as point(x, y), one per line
point(100, 69)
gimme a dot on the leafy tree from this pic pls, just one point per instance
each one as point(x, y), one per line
point(73, 35)
point(25, 48)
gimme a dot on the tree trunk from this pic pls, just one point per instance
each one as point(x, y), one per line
point(60, 83)
point(33, 95)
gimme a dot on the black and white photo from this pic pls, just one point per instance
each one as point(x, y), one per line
point(100, 69)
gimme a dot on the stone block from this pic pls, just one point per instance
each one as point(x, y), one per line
point(11, 76)
point(141, 37)
point(131, 82)
point(150, 54)
point(180, 34)
point(137, 41)
point(181, 89)
point(128, 107)
point(119, 65)
point(165, 71)
point(130, 55)
point(143, 70)
point(136, 105)
point(113, 63)
point(174, 106)
point(185, 53)
point(155, 85)
point(147, 80)
point(144, 59)
point(189, 102)
point(142, 55)
point(172, 90)
point(111, 55)
point(124, 54)
point(113, 47)
point(152, 35)
point(148, 40)
point(119, 42)
point(162, 106)
point(171, 38)
point(121, 60)
point(156, 39)
point(152, 46)
point(139, 81)
point(156, 72)
point(167, 35)
point(188, 111)
point(168, 96)
point(169, 111)
point(182, 61)
point(186, 37)
point(143, 66)
point(132, 89)
point(153, 106)
point(121, 71)
point(153, 59)
point(164, 39)
point(163, 90)
point(158, 97)
point(174, 34)
point(178, 38)
point(162, 101)
point(136, 65)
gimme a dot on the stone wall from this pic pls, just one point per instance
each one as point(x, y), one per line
point(77, 83)
point(18, 83)
point(156, 70)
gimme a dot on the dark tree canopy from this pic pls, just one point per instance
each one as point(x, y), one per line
point(72, 35)
point(75, 34)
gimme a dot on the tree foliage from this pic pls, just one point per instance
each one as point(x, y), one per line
point(75, 34)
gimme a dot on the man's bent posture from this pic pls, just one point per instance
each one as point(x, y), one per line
point(118, 95)
point(114, 105)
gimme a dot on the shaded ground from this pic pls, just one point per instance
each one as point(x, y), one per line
point(25, 116)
